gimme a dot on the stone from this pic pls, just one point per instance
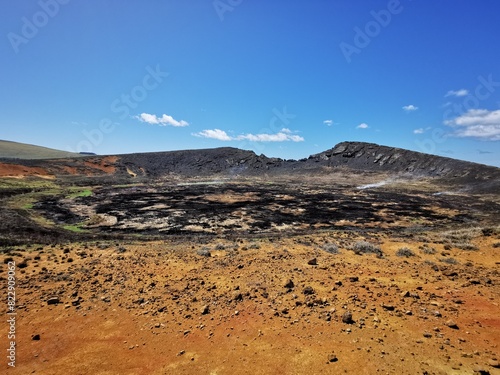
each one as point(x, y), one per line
point(332, 358)
point(480, 370)
point(388, 307)
point(347, 318)
point(494, 363)
point(313, 262)
point(35, 337)
point(451, 324)
point(308, 290)
point(237, 296)
point(205, 310)
point(288, 284)
point(53, 301)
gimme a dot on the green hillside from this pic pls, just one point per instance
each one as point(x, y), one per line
point(15, 150)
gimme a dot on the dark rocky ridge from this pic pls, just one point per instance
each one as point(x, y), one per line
point(372, 157)
point(352, 156)
point(205, 162)
point(228, 161)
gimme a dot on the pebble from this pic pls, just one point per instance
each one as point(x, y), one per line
point(494, 363)
point(308, 290)
point(205, 310)
point(288, 284)
point(347, 318)
point(53, 301)
point(332, 357)
point(313, 262)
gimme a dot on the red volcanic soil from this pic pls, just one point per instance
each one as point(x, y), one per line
point(15, 170)
point(256, 307)
point(105, 164)
point(60, 167)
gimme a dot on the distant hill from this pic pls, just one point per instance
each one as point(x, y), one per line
point(344, 158)
point(16, 150)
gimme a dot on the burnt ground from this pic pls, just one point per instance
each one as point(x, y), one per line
point(249, 209)
point(253, 277)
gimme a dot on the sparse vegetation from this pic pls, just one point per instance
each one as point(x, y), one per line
point(330, 248)
point(73, 228)
point(449, 260)
point(426, 249)
point(204, 252)
point(81, 193)
point(460, 238)
point(405, 252)
point(364, 247)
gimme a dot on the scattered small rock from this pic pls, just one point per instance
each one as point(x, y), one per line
point(480, 370)
point(238, 297)
point(288, 284)
point(308, 290)
point(35, 337)
point(494, 363)
point(347, 318)
point(53, 301)
point(205, 310)
point(451, 324)
point(313, 262)
point(332, 358)
point(388, 307)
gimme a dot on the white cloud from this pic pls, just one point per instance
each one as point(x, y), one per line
point(458, 93)
point(282, 136)
point(164, 120)
point(409, 108)
point(328, 122)
point(421, 130)
point(477, 123)
point(221, 135)
point(362, 126)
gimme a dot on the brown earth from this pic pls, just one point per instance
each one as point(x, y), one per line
point(160, 308)
point(20, 171)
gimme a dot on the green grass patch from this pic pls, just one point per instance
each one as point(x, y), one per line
point(8, 183)
point(81, 193)
point(74, 228)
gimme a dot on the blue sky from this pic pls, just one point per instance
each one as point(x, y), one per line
point(286, 78)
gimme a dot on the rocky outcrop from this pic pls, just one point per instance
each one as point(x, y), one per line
point(206, 162)
point(229, 161)
point(372, 157)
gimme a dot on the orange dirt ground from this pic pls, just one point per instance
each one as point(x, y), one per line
point(19, 171)
point(161, 308)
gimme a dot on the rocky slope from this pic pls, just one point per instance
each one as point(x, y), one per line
point(373, 157)
point(228, 161)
